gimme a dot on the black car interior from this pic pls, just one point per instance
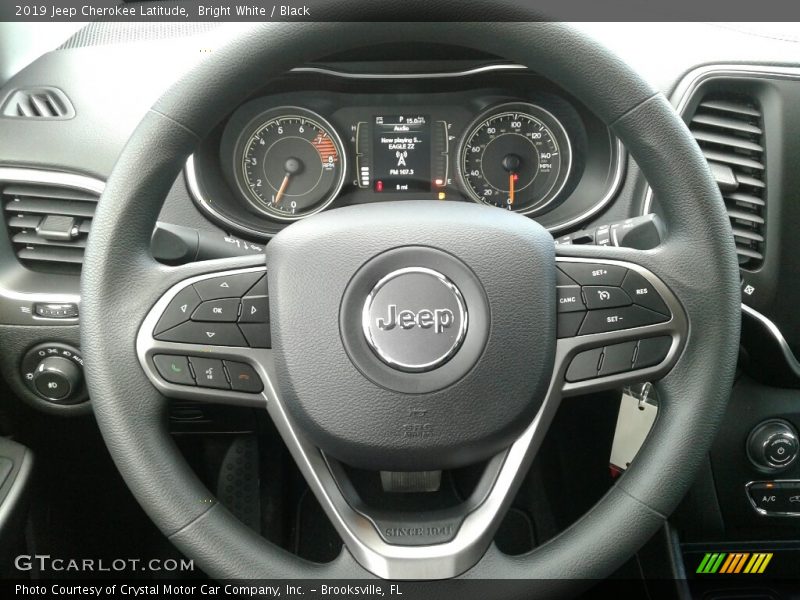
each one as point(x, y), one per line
point(326, 300)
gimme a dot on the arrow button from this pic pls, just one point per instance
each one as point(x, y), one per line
point(227, 286)
point(255, 309)
point(179, 310)
point(192, 332)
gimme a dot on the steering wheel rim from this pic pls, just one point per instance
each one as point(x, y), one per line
point(120, 278)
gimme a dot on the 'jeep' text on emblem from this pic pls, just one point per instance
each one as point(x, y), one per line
point(440, 319)
point(414, 319)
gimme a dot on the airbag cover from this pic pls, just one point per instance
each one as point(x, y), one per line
point(357, 406)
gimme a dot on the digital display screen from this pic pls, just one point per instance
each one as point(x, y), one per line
point(401, 152)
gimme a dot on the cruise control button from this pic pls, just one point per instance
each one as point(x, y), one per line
point(652, 351)
point(569, 298)
point(584, 365)
point(243, 377)
point(259, 335)
point(643, 293)
point(614, 319)
point(179, 309)
point(216, 334)
point(255, 309)
point(569, 323)
point(605, 296)
point(209, 373)
point(593, 274)
point(224, 310)
point(227, 286)
point(174, 369)
point(617, 358)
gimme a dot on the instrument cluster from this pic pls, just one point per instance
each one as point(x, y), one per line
point(286, 155)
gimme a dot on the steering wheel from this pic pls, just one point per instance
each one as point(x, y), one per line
point(416, 335)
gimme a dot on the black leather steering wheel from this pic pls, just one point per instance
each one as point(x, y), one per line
point(334, 401)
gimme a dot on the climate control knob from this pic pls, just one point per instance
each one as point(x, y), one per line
point(57, 378)
point(773, 445)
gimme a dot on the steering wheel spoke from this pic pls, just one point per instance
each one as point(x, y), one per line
point(391, 544)
point(618, 324)
point(208, 337)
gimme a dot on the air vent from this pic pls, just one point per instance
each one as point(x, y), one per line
point(38, 103)
point(729, 130)
point(48, 225)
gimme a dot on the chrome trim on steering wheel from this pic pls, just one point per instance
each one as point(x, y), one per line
point(356, 528)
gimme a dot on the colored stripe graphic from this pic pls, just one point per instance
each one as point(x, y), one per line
point(740, 562)
point(711, 562)
point(767, 558)
point(701, 568)
point(734, 562)
point(755, 562)
point(728, 562)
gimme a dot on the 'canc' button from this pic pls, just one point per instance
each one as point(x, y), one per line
point(569, 298)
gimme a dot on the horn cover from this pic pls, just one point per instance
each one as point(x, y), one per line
point(413, 335)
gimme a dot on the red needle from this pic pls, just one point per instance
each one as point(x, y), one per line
point(277, 197)
point(511, 179)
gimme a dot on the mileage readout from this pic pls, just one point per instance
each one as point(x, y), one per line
point(401, 153)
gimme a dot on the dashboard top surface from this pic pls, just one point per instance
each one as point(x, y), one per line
point(113, 85)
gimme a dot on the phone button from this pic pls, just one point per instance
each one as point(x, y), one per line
point(243, 377)
point(174, 369)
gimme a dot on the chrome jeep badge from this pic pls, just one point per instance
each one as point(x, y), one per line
point(414, 319)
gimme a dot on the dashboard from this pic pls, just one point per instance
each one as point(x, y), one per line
point(320, 139)
point(406, 124)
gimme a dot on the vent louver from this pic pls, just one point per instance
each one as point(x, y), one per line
point(729, 130)
point(38, 103)
point(48, 225)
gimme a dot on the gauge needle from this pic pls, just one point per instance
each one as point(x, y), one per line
point(284, 184)
point(511, 179)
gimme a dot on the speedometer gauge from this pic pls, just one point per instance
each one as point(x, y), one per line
point(516, 156)
point(289, 163)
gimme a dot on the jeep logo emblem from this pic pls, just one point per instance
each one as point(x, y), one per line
point(414, 319)
point(440, 319)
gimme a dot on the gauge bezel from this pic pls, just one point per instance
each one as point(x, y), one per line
point(549, 120)
point(260, 121)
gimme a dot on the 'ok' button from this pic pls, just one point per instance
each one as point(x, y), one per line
point(225, 310)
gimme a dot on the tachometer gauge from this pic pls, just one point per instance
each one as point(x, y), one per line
point(289, 163)
point(516, 156)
